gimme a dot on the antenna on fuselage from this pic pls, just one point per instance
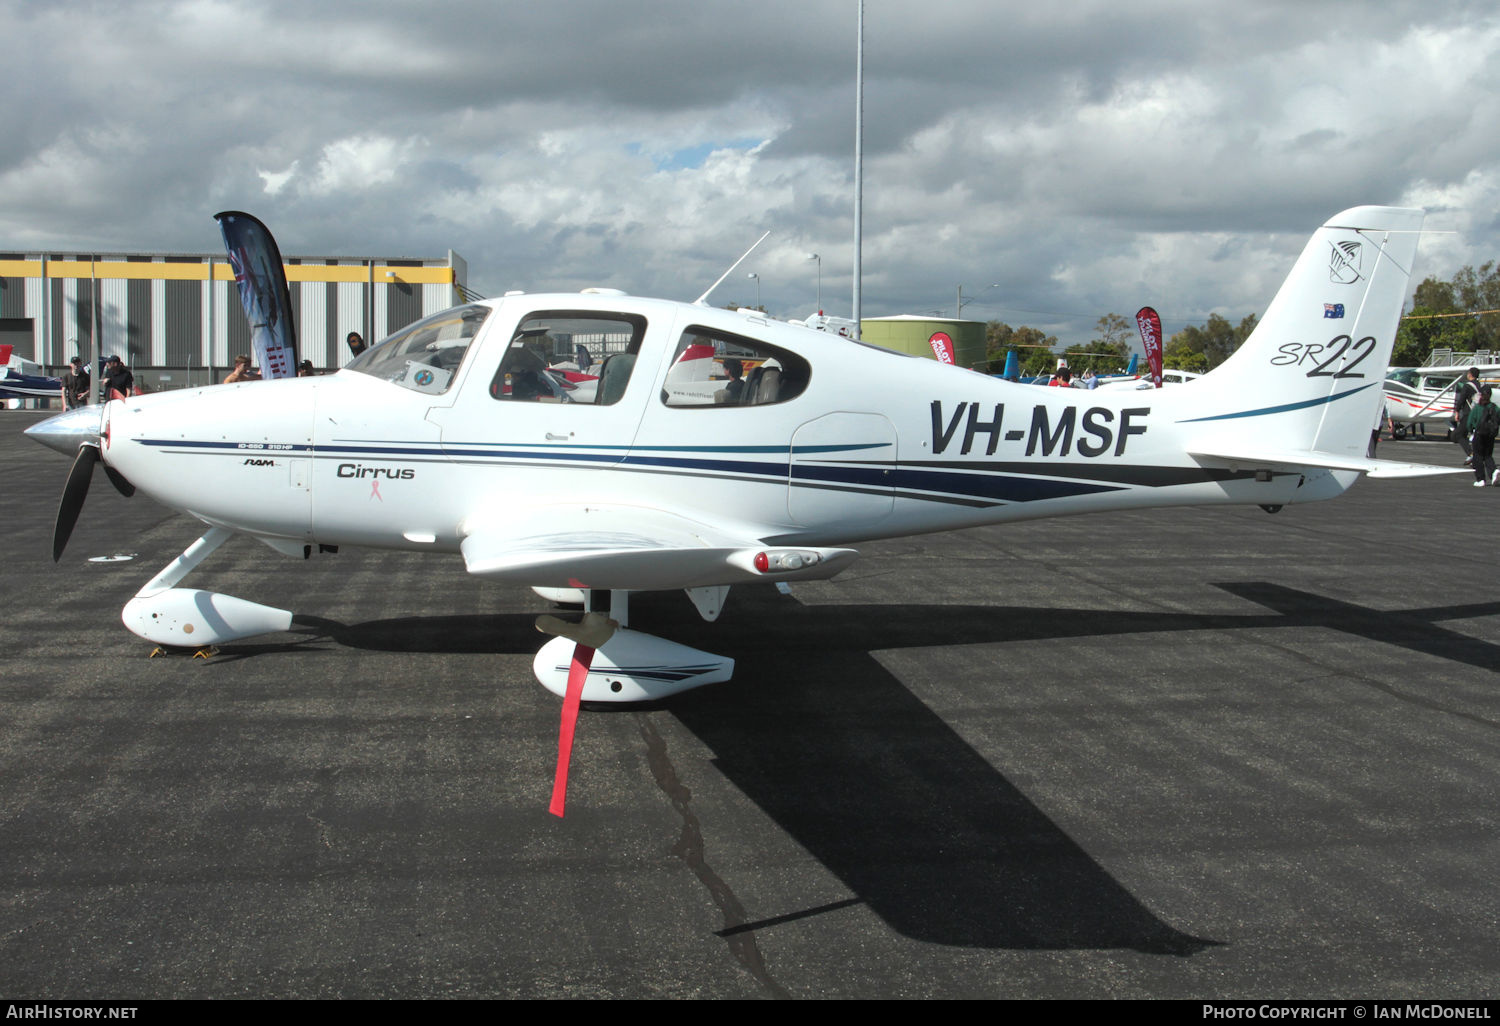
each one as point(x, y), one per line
point(700, 300)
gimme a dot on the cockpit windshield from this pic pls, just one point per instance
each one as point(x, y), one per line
point(425, 355)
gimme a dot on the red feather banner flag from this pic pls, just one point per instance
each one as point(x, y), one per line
point(1150, 325)
point(942, 347)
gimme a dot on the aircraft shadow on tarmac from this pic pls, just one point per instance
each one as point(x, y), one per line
point(878, 788)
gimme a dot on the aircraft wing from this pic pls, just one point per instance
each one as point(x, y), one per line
point(632, 548)
point(1261, 456)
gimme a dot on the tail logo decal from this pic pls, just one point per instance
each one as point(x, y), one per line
point(1343, 263)
point(1325, 356)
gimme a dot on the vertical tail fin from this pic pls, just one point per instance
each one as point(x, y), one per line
point(1309, 377)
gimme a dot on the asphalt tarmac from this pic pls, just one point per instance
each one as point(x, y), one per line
point(1182, 754)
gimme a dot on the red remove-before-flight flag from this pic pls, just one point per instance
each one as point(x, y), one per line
point(1150, 325)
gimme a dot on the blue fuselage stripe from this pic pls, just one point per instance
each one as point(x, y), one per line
point(980, 484)
point(1287, 408)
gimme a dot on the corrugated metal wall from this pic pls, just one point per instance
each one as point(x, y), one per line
point(114, 334)
point(153, 316)
point(53, 350)
point(403, 300)
point(12, 297)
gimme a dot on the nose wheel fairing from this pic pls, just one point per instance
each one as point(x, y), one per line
point(188, 617)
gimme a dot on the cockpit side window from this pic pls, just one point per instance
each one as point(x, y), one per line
point(424, 356)
point(569, 356)
point(715, 368)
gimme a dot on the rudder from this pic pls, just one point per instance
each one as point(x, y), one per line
point(1313, 367)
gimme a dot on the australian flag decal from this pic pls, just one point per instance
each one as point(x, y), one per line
point(1333, 311)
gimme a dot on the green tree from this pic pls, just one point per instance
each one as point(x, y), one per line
point(1204, 348)
point(1179, 357)
point(1469, 291)
point(1478, 291)
point(1034, 349)
point(1108, 352)
point(997, 335)
point(1431, 324)
point(1104, 357)
point(1115, 333)
point(1436, 296)
point(1421, 332)
point(1032, 346)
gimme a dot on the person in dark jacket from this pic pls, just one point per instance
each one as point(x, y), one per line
point(1463, 398)
point(75, 385)
point(1484, 423)
point(117, 378)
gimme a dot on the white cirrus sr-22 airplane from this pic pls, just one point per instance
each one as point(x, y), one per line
point(794, 447)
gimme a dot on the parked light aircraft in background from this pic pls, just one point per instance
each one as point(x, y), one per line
point(20, 379)
point(1423, 396)
point(671, 479)
point(1168, 377)
point(1128, 376)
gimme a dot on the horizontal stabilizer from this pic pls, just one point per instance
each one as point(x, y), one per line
point(1253, 457)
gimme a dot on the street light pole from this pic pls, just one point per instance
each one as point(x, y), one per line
point(814, 256)
point(958, 307)
point(859, 170)
point(752, 274)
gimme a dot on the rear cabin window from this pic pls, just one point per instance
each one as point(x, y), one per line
point(713, 369)
point(569, 356)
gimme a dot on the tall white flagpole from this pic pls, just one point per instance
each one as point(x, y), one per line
point(859, 163)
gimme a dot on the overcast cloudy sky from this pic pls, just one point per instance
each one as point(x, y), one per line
point(1084, 157)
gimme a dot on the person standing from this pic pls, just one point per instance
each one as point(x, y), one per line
point(118, 381)
point(1382, 419)
point(75, 386)
point(1463, 398)
point(1484, 422)
point(241, 372)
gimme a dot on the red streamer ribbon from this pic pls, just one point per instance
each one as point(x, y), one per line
point(578, 672)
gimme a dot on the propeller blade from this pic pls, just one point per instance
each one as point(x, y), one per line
point(74, 492)
point(122, 485)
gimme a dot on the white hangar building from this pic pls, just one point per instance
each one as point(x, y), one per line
point(176, 319)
